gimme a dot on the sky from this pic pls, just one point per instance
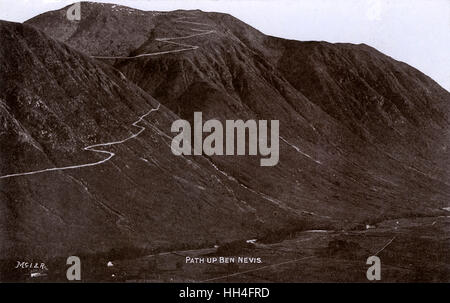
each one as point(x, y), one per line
point(413, 31)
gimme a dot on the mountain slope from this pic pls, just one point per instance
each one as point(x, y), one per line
point(359, 128)
point(135, 193)
point(363, 137)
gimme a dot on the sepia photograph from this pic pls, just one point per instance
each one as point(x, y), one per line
point(214, 141)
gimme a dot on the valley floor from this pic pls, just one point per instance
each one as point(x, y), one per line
point(410, 250)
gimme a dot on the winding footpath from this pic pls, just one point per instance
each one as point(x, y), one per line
point(91, 148)
point(94, 148)
point(185, 47)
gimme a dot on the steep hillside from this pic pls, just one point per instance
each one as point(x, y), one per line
point(361, 132)
point(363, 137)
point(86, 164)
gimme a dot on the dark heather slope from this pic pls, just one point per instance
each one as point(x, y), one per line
point(367, 135)
point(54, 101)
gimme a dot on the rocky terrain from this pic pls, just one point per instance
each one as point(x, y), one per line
point(363, 137)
